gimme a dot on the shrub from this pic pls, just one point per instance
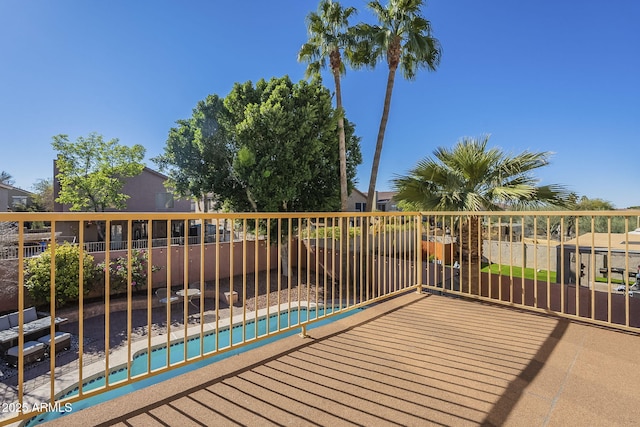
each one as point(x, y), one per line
point(119, 270)
point(67, 262)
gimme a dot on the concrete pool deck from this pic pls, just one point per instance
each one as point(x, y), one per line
point(417, 359)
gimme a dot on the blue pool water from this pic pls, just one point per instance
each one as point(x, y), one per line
point(236, 334)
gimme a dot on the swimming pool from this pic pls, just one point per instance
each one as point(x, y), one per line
point(234, 333)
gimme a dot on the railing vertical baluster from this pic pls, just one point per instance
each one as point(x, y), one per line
point(625, 280)
point(232, 250)
point(129, 294)
point(548, 307)
point(578, 263)
point(500, 298)
point(202, 286)
point(256, 273)
point(565, 285)
point(289, 279)
point(185, 284)
point(244, 279)
point(149, 293)
point(535, 259)
point(299, 229)
point(279, 264)
point(52, 310)
point(217, 285)
point(21, 313)
point(80, 308)
point(168, 290)
point(268, 261)
point(592, 270)
point(609, 290)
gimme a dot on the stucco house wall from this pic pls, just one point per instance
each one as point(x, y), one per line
point(146, 192)
point(7, 194)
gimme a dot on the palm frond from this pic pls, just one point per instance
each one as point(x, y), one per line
point(472, 177)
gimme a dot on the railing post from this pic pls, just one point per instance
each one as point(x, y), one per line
point(418, 242)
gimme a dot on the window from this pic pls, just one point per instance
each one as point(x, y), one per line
point(361, 207)
point(18, 201)
point(116, 232)
point(164, 201)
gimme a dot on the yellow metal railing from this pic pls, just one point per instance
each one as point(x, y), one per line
point(579, 265)
point(260, 275)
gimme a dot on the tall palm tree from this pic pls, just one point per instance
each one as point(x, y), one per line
point(471, 178)
point(402, 37)
point(329, 35)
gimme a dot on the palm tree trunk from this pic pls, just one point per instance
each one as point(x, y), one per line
point(383, 126)
point(344, 235)
point(472, 255)
point(371, 194)
point(343, 144)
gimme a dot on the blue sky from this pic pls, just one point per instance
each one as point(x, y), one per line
point(544, 75)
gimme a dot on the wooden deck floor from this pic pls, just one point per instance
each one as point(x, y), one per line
point(415, 360)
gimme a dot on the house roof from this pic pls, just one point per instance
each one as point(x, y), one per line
point(619, 241)
point(12, 188)
point(383, 196)
point(155, 172)
point(355, 190)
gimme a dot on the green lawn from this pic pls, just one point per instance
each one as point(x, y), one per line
point(613, 280)
point(528, 273)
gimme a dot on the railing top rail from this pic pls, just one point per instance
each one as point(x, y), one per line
point(516, 213)
point(115, 216)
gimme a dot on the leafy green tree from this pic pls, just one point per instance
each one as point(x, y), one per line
point(67, 268)
point(329, 34)
point(600, 223)
point(92, 172)
point(198, 154)
point(42, 200)
point(587, 204)
point(567, 227)
point(273, 148)
point(403, 38)
point(287, 153)
point(471, 178)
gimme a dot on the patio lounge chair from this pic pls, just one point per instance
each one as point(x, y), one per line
point(61, 339)
point(32, 351)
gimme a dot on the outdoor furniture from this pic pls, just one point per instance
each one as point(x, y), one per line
point(190, 293)
point(33, 327)
point(32, 351)
point(166, 298)
point(62, 342)
point(231, 297)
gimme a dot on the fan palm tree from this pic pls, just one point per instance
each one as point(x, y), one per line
point(329, 35)
point(472, 178)
point(6, 178)
point(402, 37)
